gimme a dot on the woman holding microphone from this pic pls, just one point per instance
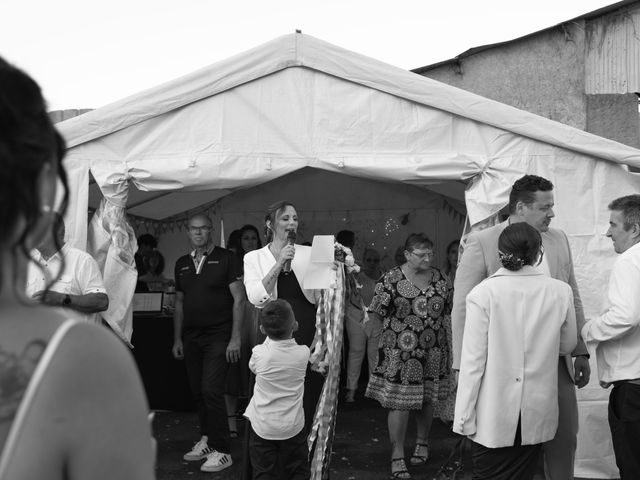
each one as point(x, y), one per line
point(276, 271)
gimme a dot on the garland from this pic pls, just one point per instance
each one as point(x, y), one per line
point(326, 351)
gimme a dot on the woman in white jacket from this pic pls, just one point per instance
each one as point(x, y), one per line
point(276, 271)
point(519, 321)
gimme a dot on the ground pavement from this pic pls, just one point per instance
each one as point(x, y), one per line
point(360, 449)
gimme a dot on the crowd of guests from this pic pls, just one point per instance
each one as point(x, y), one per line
point(493, 342)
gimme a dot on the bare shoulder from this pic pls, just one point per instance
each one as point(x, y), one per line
point(92, 385)
point(99, 359)
point(88, 384)
point(25, 333)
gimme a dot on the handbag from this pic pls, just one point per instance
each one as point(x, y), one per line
point(453, 468)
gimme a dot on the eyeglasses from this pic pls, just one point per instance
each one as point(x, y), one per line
point(204, 229)
point(422, 255)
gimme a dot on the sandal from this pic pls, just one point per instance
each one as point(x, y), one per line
point(401, 472)
point(417, 459)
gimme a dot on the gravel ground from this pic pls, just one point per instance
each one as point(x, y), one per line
point(360, 449)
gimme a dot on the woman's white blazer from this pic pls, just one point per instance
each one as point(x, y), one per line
point(518, 324)
point(258, 263)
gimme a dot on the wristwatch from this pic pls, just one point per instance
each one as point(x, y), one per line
point(67, 300)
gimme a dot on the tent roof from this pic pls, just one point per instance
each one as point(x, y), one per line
point(298, 50)
point(298, 102)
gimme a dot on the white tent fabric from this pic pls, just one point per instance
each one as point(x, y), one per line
point(299, 102)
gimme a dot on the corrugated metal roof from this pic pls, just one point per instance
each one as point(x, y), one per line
point(472, 51)
point(612, 62)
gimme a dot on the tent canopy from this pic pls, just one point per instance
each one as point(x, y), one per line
point(299, 102)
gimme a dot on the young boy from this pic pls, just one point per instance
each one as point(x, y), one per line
point(277, 442)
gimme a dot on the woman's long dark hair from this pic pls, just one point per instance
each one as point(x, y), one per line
point(249, 228)
point(28, 142)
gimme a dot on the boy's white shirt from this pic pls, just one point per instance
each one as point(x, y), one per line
point(275, 409)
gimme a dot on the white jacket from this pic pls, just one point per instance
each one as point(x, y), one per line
point(517, 325)
point(258, 263)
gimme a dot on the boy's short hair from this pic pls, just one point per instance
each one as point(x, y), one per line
point(277, 318)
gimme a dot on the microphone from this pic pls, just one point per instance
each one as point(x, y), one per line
point(291, 239)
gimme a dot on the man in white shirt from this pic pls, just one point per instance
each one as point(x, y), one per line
point(78, 286)
point(617, 335)
point(277, 439)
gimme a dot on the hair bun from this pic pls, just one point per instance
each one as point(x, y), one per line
point(511, 261)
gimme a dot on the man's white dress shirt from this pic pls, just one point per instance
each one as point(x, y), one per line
point(81, 276)
point(616, 331)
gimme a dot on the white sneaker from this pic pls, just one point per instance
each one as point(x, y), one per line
point(216, 461)
point(199, 451)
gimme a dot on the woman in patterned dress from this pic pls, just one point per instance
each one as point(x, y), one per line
point(414, 357)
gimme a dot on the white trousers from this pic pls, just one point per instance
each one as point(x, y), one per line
point(363, 338)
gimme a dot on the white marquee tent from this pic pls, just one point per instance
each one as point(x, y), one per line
point(298, 102)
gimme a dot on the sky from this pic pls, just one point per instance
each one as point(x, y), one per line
point(88, 53)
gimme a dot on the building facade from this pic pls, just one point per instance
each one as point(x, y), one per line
point(584, 72)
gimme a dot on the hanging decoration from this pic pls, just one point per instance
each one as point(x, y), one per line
point(452, 211)
point(171, 224)
point(326, 350)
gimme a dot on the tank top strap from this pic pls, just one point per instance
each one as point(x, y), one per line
point(30, 393)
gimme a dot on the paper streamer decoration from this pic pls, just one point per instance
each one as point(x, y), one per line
point(326, 350)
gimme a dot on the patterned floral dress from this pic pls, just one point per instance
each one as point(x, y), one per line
point(414, 355)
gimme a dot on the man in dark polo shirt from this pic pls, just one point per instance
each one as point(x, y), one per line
point(209, 304)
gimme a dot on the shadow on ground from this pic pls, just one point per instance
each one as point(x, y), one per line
point(360, 449)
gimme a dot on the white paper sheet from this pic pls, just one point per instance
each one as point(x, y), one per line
point(320, 273)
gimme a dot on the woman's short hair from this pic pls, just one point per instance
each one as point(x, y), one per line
point(272, 213)
point(28, 142)
point(416, 240)
point(519, 245)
